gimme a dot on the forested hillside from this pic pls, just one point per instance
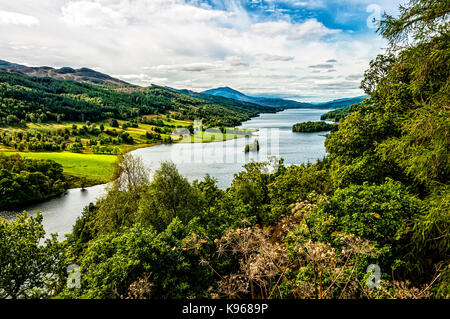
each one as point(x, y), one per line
point(35, 99)
point(47, 115)
point(342, 103)
point(66, 73)
point(371, 220)
point(335, 115)
point(268, 102)
point(217, 99)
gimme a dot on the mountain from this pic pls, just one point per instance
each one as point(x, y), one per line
point(230, 93)
point(36, 99)
point(217, 99)
point(271, 102)
point(79, 75)
point(342, 103)
point(220, 96)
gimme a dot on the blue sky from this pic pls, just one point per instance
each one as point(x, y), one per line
point(333, 14)
point(308, 50)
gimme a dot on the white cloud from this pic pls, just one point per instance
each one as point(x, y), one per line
point(142, 78)
point(310, 29)
point(107, 13)
point(321, 66)
point(174, 43)
point(15, 18)
point(310, 4)
point(87, 13)
point(190, 67)
point(272, 58)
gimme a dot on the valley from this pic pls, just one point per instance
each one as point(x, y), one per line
point(233, 178)
point(90, 118)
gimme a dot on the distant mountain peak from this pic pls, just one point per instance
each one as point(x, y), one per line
point(272, 102)
point(223, 91)
point(231, 93)
point(227, 88)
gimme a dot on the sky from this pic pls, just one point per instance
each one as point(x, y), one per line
point(306, 50)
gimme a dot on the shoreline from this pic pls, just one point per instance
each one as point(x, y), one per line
point(57, 221)
point(74, 184)
point(10, 214)
point(127, 148)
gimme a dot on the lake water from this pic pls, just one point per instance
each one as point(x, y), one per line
point(219, 159)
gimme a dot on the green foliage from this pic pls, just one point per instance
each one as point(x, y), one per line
point(431, 238)
point(153, 136)
point(84, 230)
point(29, 267)
point(380, 197)
point(335, 115)
point(296, 183)
point(308, 127)
point(114, 123)
point(382, 214)
point(114, 261)
point(423, 147)
point(24, 181)
point(402, 130)
point(34, 140)
point(34, 99)
point(248, 198)
point(420, 21)
point(169, 196)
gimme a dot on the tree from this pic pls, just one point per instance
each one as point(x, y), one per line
point(420, 21)
point(118, 207)
point(114, 123)
point(307, 127)
point(113, 262)
point(28, 267)
point(12, 120)
point(169, 196)
point(130, 173)
point(248, 197)
point(24, 180)
point(296, 183)
point(83, 183)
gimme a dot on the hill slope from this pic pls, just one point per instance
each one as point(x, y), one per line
point(282, 103)
point(271, 102)
point(229, 101)
point(30, 99)
point(342, 103)
point(84, 75)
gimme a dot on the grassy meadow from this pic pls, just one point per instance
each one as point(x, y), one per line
point(97, 168)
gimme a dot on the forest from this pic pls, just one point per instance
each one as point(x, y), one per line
point(43, 114)
point(308, 127)
point(25, 99)
point(335, 115)
point(24, 181)
point(370, 220)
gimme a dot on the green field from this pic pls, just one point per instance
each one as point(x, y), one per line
point(97, 169)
